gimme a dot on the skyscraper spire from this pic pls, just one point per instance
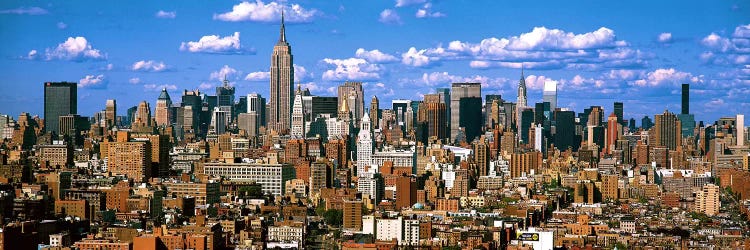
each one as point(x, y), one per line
point(282, 35)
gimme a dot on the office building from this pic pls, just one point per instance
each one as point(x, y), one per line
point(668, 130)
point(60, 98)
point(162, 113)
point(521, 100)
point(352, 215)
point(256, 103)
point(298, 119)
point(707, 200)
point(282, 84)
point(685, 98)
point(565, 132)
point(550, 94)
point(375, 112)
point(354, 95)
point(458, 92)
point(406, 192)
point(614, 130)
point(110, 114)
point(271, 176)
point(364, 146)
point(225, 94)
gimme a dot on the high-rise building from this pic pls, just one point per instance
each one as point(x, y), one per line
point(298, 118)
point(225, 94)
point(646, 123)
point(668, 130)
point(707, 200)
point(400, 107)
point(685, 98)
point(354, 95)
point(110, 113)
point(192, 105)
point(550, 94)
point(610, 186)
point(521, 101)
point(740, 130)
point(256, 103)
point(617, 109)
point(613, 133)
point(282, 84)
point(131, 158)
point(374, 112)
point(352, 214)
point(142, 115)
point(458, 92)
point(433, 114)
point(565, 132)
point(162, 112)
point(445, 97)
point(406, 192)
point(60, 98)
point(527, 118)
point(481, 156)
point(364, 146)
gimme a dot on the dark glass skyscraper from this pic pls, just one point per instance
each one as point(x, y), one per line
point(685, 98)
point(565, 131)
point(60, 98)
point(618, 112)
point(470, 119)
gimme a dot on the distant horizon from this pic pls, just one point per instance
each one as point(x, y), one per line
point(399, 49)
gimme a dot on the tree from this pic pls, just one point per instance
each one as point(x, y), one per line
point(333, 217)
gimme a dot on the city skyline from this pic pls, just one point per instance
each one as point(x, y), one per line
point(618, 59)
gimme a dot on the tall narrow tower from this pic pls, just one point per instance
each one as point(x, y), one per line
point(364, 146)
point(162, 113)
point(521, 102)
point(298, 119)
point(282, 87)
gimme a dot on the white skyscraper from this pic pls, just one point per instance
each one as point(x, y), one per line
point(298, 118)
point(740, 130)
point(364, 146)
point(521, 102)
point(550, 94)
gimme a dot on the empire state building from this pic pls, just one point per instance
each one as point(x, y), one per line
point(282, 84)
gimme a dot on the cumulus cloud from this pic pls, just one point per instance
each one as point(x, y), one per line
point(351, 69)
point(73, 49)
point(667, 76)
point(417, 58)
point(389, 16)
point(664, 37)
point(259, 11)
point(258, 76)
point(300, 73)
point(33, 11)
point(731, 51)
point(426, 11)
point(402, 3)
point(215, 44)
point(92, 81)
point(442, 78)
point(224, 72)
point(134, 80)
point(149, 66)
point(542, 48)
point(166, 14)
point(205, 86)
point(375, 56)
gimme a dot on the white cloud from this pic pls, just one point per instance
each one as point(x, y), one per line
point(375, 56)
point(258, 76)
point(402, 3)
point(25, 11)
point(480, 64)
point(301, 74)
point(541, 48)
point(149, 66)
point(154, 87)
point(351, 69)
point(73, 49)
point(214, 44)
point(742, 31)
point(664, 37)
point(623, 74)
point(271, 12)
point(205, 86)
point(416, 58)
point(134, 80)
point(717, 43)
point(225, 71)
point(667, 76)
point(441, 78)
point(32, 54)
point(389, 16)
point(109, 67)
point(426, 11)
point(166, 14)
point(61, 25)
point(90, 81)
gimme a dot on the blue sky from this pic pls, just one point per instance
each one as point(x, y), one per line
point(599, 52)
